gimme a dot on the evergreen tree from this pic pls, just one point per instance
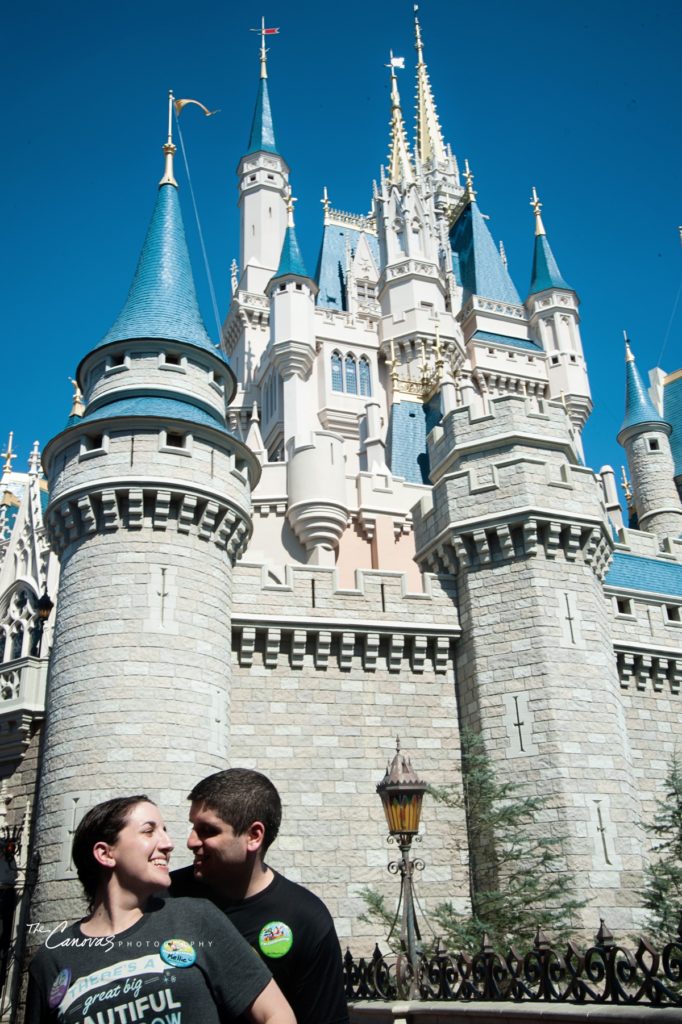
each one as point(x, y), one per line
point(662, 896)
point(517, 879)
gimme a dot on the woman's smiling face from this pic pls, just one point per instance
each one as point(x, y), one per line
point(141, 853)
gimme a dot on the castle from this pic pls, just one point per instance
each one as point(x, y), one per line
point(365, 513)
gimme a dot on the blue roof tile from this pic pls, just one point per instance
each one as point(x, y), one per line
point(162, 301)
point(546, 272)
point(408, 427)
point(653, 575)
point(164, 408)
point(501, 339)
point(291, 260)
point(478, 265)
point(672, 409)
point(262, 137)
point(639, 409)
point(330, 273)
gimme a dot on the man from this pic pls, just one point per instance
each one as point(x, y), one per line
point(235, 816)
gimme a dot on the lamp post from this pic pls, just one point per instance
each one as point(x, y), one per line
point(402, 792)
point(44, 608)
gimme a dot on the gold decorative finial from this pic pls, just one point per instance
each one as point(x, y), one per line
point(625, 484)
point(77, 404)
point(537, 206)
point(169, 148)
point(290, 208)
point(629, 358)
point(325, 203)
point(263, 52)
point(8, 455)
point(469, 178)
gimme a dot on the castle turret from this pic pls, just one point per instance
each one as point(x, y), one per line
point(645, 435)
point(554, 321)
point(292, 333)
point(263, 185)
point(149, 507)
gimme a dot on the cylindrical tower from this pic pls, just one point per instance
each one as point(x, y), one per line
point(645, 436)
point(149, 506)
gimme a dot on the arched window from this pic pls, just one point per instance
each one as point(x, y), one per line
point(351, 375)
point(337, 372)
point(365, 377)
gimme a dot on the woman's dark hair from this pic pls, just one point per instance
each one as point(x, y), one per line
point(101, 824)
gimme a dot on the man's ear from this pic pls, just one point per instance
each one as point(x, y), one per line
point(255, 834)
point(101, 851)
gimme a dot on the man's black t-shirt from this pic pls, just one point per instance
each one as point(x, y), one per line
point(294, 933)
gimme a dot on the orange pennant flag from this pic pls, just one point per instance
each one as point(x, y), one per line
point(179, 104)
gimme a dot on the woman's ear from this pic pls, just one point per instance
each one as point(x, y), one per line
point(101, 851)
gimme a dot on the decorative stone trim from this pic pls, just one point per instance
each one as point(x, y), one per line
point(369, 649)
point(493, 542)
point(642, 670)
point(83, 515)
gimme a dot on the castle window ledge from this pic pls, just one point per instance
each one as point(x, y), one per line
point(175, 442)
point(173, 361)
point(117, 364)
point(624, 608)
point(672, 614)
point(92, 446)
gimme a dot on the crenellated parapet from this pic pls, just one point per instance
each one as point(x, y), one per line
point(308, 620)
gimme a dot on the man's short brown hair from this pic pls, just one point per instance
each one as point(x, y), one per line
point(241, 796)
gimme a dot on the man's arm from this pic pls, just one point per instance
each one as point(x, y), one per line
point(270, 1007)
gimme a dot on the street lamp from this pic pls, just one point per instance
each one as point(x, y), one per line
point(402, 792)
point(44, 608)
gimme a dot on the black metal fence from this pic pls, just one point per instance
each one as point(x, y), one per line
point(606, 973)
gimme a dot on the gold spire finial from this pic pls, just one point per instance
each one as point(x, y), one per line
point(625, 484)
point(469, 178)
point(400, 168)
point(325, 203)
point(537, 206)
point(9, 456)
point(169, 148)
point(290, 209)
point(629, 358)
point(77, 404)
point(263, 52)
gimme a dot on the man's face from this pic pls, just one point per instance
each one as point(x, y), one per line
point(219, 855)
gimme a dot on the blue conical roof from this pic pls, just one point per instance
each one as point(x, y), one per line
point(546, 272)
point(639, 409)
point(477, 263)
point(162, 301)
point(291, 260)
point(262, 129)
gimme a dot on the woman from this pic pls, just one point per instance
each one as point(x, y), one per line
point(137, 957)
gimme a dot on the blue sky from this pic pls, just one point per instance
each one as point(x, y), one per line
point(581, 99)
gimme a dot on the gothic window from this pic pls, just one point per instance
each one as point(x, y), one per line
point(365, 378)
point(351, 375)
point(337, 372)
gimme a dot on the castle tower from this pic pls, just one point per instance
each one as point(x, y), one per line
point(522, 526)
point(263, 188)
point(553, 309)
point(149, 507)
point(645, 435)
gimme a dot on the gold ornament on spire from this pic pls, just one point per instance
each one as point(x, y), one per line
point(400, 169)
point(537, 206)
point(77, 404)
point(629, 358)
point(168, 147)
point(263, 52)
point(469, 178)
point(325, 203)
point(429, 145)
point(8, 455)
